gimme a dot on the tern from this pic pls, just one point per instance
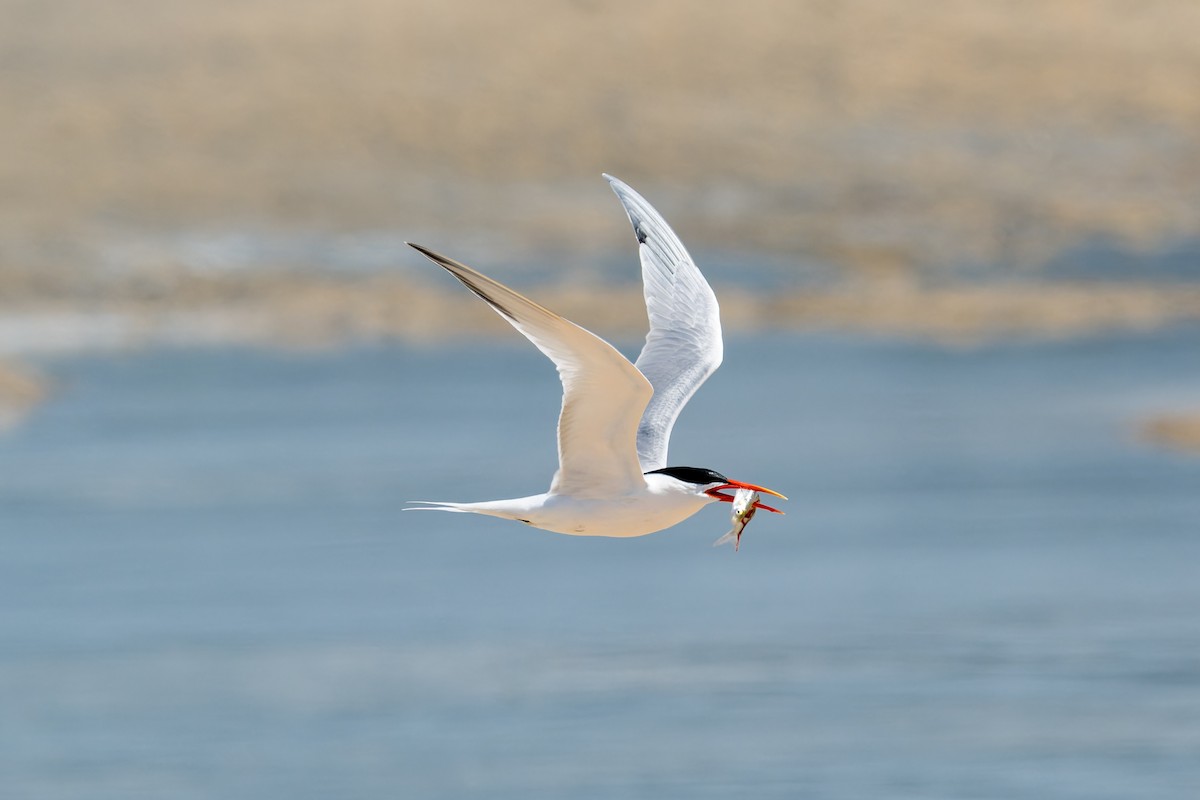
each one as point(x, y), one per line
point(616, 417)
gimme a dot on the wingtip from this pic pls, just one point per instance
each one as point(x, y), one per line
point(436, 258)
point(632, 202)
point(615, 183)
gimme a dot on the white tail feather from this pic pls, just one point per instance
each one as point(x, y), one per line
point(437, 505)
point(505, 509)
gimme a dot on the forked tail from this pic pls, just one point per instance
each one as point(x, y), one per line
point(495, 508)
point(435, 505)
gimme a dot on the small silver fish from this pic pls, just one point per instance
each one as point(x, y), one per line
point(745, 505)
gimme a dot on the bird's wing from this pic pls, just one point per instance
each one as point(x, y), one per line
point(684, 345)
point(603, 394)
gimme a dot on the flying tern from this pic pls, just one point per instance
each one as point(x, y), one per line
point(616, 417)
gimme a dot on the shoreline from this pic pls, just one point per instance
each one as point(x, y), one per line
point(307, 312)
point(312, 311)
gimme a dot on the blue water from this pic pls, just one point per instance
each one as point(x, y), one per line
point(985, 586)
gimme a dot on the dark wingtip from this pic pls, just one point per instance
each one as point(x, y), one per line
point(467, 277)
point(625, 194)
point(436, 258)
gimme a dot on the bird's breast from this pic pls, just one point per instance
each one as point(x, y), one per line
point(627, 516)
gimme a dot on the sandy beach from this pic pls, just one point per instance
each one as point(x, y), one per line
point(865, 135)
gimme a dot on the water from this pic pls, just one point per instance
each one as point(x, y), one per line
point(985, 585)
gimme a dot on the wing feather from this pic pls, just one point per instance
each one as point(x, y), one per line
point(603, 394)
point(684, 344)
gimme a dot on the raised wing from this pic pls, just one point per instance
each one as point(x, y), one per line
point(603, 394)
point(684, 344)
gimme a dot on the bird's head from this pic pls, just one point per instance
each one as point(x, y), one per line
point(713, 484)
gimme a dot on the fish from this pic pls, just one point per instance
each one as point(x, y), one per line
point(745, 505)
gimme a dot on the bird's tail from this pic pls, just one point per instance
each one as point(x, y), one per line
point(437, 505)
point(495, 508)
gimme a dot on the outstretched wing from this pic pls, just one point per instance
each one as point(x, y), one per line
point(603, 394)
point(684, 344)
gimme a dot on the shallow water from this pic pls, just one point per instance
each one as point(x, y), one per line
point(985, 586)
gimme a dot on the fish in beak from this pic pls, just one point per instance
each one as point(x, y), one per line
point(716, 494)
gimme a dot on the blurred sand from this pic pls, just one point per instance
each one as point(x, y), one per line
point(20, 390)
point(310, 311)
point(1178, 431)
point(874, 134)
point(905, 145)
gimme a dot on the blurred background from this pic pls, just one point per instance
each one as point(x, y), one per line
point(958, 256)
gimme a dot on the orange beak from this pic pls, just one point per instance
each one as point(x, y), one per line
point(715, 493)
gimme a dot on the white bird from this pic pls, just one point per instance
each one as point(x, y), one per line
point(616, 418)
